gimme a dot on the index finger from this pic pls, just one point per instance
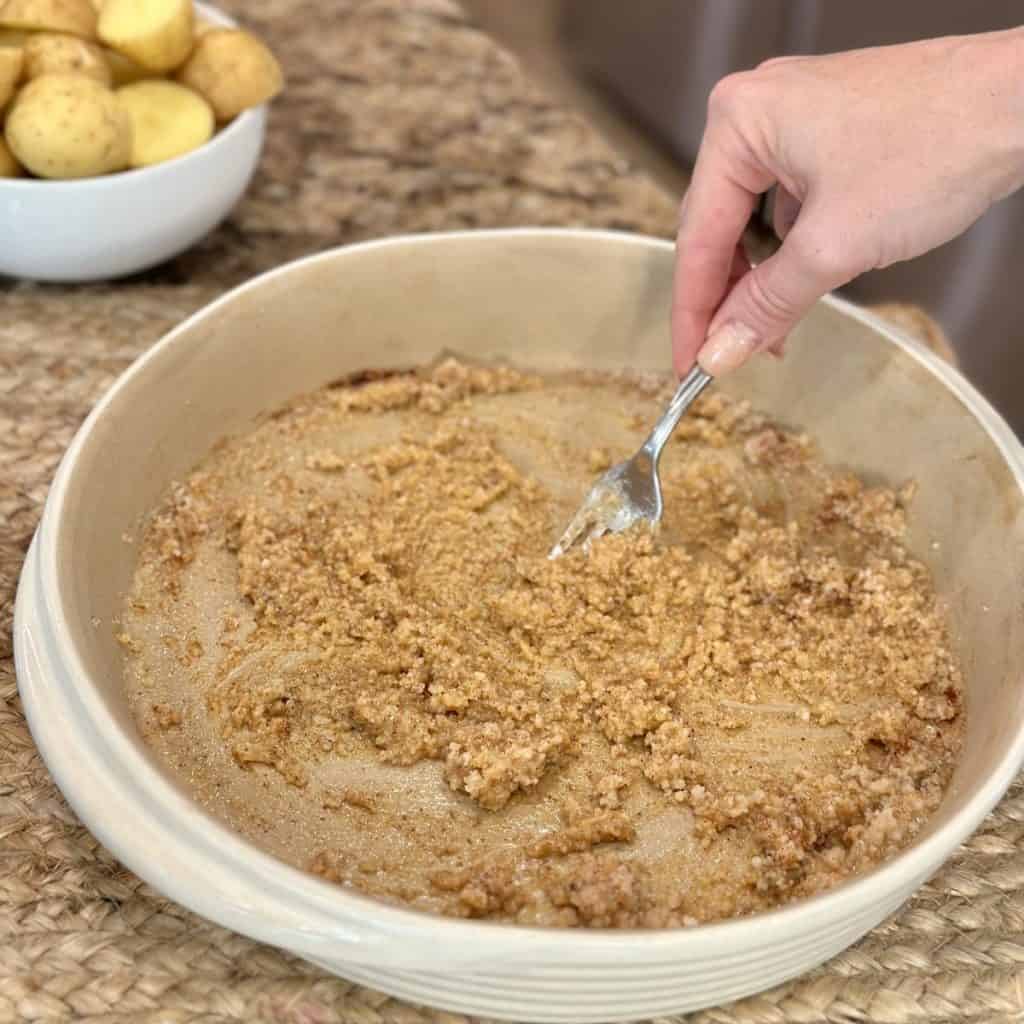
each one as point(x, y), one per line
point(713, 216)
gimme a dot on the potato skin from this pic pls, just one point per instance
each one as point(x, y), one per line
point(161, 43)
point(51, 53)
point(75, 16)
point(9, 167)
point(68, 126)
point(233, 70)
point(168, 120)
point(12, 64)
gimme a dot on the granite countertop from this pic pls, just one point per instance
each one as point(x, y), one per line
point(398, 116)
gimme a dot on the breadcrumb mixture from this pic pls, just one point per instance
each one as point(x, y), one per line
point(346, 636)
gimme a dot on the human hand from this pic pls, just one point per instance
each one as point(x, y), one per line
point(879, 155)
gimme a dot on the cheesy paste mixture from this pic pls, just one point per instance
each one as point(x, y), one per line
point(345, 638)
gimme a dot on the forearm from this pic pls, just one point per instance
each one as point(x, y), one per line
point(991, 65)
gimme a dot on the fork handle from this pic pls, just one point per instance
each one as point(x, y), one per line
point(689, 388)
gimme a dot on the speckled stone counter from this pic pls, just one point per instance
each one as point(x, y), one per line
point(398, 116)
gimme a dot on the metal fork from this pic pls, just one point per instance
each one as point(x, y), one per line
point(631, 491)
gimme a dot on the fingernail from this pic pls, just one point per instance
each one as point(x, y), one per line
point(727, 348)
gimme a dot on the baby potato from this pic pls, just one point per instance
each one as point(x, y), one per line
point(48, 53)
point(232, 70)
point(9, 167)
point(75, 16)
point(168, 120)
point(12, 63)
point(69, 126)
point(123, 70)
point(155, 33)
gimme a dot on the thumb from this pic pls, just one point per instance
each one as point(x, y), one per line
point(765, 304)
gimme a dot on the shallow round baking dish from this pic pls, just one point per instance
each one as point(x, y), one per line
point(548, 300)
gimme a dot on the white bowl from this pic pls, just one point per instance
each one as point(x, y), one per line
point(552, 300)
point(92, 229)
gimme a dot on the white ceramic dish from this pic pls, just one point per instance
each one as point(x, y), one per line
point(548, 299)
point(93, 229)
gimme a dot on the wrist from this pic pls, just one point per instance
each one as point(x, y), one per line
point(997, 66)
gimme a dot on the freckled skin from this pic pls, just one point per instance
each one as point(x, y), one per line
point(72, 16)
point(57, 53)
point(68, 127)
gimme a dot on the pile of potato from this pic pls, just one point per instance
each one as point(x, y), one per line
point(91, 87)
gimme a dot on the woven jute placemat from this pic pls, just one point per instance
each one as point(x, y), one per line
point(398, 117)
